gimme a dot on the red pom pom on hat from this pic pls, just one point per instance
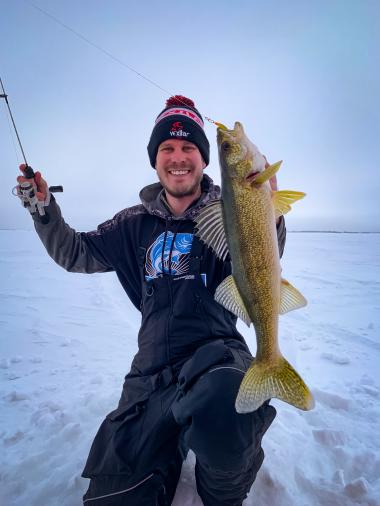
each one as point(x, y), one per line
point(178, 100)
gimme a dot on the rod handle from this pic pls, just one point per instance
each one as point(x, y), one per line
point(28, 172)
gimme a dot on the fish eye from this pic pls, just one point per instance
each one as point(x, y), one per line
point(226, 146)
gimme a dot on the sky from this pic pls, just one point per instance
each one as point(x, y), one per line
point(302, 77)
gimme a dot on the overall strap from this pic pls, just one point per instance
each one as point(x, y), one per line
point(195, 258)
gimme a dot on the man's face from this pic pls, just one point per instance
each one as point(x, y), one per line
point(179, 166)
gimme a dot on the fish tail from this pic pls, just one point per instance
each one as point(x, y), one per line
point(265, 380)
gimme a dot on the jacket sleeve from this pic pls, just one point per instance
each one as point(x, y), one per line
point(74, 251)
point(281, 235)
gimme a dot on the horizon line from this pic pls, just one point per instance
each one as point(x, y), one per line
point(288, 231)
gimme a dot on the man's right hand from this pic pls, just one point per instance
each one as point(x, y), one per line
point(40, 185)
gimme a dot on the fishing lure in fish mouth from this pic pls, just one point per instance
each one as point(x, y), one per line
point(242, 224)
point(220, 125)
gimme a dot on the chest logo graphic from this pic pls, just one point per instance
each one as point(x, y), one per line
point(157, 255)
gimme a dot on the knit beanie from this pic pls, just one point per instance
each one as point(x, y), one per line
point(179, 120)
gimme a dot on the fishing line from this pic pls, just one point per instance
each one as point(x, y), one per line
point(99, 48)
point(5, 96)
point(110, 55)
point(11, 136)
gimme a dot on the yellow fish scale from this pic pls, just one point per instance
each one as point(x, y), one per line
point(253, 246)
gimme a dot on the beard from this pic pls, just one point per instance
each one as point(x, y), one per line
point(186, 189)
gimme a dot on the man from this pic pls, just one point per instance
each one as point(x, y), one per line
point(181, 389)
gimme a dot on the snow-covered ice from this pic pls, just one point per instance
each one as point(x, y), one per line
point(67, 341)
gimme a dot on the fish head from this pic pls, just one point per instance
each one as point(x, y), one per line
point(238, 156)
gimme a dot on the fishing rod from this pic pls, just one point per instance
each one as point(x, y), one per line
point(26, 190)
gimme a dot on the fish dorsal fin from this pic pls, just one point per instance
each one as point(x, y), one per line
point(290, 297)
point(227, 294)
point(267, 173)
point(210, 228)
point(282, 200)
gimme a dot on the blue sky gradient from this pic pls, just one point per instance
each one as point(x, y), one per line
point(302, 77)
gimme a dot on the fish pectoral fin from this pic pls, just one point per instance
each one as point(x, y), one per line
point(268, 173)
point(265, 380)
point(282, 200)
point(227, 294)
point(290, 297)
point(210, 228)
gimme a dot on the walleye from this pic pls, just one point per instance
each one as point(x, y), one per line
point(243, 225)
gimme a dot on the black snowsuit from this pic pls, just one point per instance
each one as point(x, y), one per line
point(183, 382)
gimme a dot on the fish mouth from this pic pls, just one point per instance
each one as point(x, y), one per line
point(224, 136)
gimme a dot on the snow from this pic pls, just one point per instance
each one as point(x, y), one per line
point(67, 341)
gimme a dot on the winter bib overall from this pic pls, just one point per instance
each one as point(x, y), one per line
point(171, 402)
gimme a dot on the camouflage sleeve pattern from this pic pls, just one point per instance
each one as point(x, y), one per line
point(70, 249)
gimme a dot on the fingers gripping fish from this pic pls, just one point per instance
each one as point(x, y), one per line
point(243, 225)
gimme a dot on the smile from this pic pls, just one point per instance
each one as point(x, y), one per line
point(179, 172)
